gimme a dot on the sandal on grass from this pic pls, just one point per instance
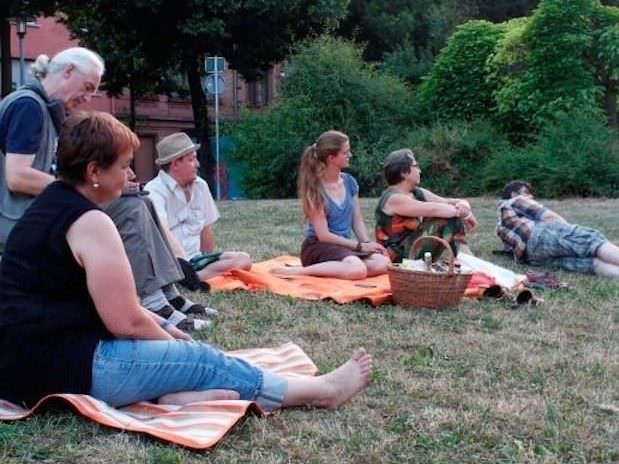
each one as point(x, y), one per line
point(181, 321)
point(543, 280)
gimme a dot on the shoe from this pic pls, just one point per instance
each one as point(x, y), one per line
point(175, 317)
point(543, 280)
point(188, 307)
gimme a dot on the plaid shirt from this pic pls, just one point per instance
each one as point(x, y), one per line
point(515, 223)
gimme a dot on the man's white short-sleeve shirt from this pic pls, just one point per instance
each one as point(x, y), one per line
point(186, 218)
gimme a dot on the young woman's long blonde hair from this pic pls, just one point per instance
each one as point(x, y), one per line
point(312, 168)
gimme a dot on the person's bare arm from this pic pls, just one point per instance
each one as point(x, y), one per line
point(207, 239)
point(465, 212)
point(550, 216)
point(406, 205)
point(21, 177)
point(97, 246)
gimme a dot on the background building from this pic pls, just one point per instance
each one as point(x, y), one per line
point(157, 116)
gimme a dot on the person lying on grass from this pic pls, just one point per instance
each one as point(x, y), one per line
point(537, 235)
point(330, 203)
point(70, 320)
point(406, 211)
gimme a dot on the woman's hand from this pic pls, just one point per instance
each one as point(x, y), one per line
point(470, 222)
point(177, 333)
point(373, 247)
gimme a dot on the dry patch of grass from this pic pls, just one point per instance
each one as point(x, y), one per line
point(483, 384)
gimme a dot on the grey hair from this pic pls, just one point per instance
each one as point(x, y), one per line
point(82, 58)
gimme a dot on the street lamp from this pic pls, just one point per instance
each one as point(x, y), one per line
point(21, 33)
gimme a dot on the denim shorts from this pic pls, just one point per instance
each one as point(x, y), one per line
point(565, 246)
point(127, 371)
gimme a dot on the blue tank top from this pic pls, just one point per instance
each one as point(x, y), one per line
point(339, 216)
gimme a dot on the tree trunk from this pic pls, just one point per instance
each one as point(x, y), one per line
point(132, 118)
point(192, 66)
point(610, 97)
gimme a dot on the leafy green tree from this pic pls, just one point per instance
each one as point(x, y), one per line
point(564, 58)
point(145, 42)
point(405, 34)
point(457, 86)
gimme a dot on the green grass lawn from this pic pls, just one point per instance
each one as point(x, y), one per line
point(482, 384)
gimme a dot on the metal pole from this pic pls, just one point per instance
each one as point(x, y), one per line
point(21, 60)
point(218, 179)
point(21, 33)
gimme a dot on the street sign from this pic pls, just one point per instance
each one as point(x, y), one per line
point(215, 64)
point(211, 87)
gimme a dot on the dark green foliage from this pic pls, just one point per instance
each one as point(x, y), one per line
point(147, 43)
point(452, 155)
point(405, 35)
point(575, 155)
point(565, 58)
point(458, 86)
point(327, 86)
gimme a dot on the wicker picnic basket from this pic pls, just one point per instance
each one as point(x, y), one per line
point(424, 289)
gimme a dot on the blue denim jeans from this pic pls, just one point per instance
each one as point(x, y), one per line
point(126, 371)
point(564, 246)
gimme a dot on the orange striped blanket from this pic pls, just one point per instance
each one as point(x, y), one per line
point(198, 426)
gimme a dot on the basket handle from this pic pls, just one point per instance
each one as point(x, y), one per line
point(444, 243)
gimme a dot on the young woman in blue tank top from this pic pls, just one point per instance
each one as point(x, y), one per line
point(330, 202)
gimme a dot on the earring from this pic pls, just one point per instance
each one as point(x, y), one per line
point(95, 185)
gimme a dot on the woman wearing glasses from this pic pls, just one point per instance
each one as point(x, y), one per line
point(406, 211)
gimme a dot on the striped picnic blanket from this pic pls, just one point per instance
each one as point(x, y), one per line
point(197, 425)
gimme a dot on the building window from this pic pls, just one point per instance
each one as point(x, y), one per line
point(259, 91)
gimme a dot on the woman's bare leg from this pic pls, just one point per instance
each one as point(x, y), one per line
point(187, 397)
point(228, 260)
point(376, 264)
point(350, 268)
point(333, 389)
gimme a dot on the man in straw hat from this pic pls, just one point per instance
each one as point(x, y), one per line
point(185, 204)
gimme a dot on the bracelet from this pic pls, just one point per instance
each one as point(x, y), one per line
point(164, 324)
point(358, 247)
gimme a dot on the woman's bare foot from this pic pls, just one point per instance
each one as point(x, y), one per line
point(182, 398)
point(346, 381)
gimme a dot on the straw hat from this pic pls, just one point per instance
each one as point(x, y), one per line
point(174, 146)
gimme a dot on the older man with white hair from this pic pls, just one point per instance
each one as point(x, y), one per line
point(30, 120)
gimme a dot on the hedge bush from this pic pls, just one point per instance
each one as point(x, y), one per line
point(574, 155)
point(326, 86)
point(452, 155)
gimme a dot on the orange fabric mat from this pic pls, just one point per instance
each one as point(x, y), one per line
point(375, 290)
point(198, 425)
